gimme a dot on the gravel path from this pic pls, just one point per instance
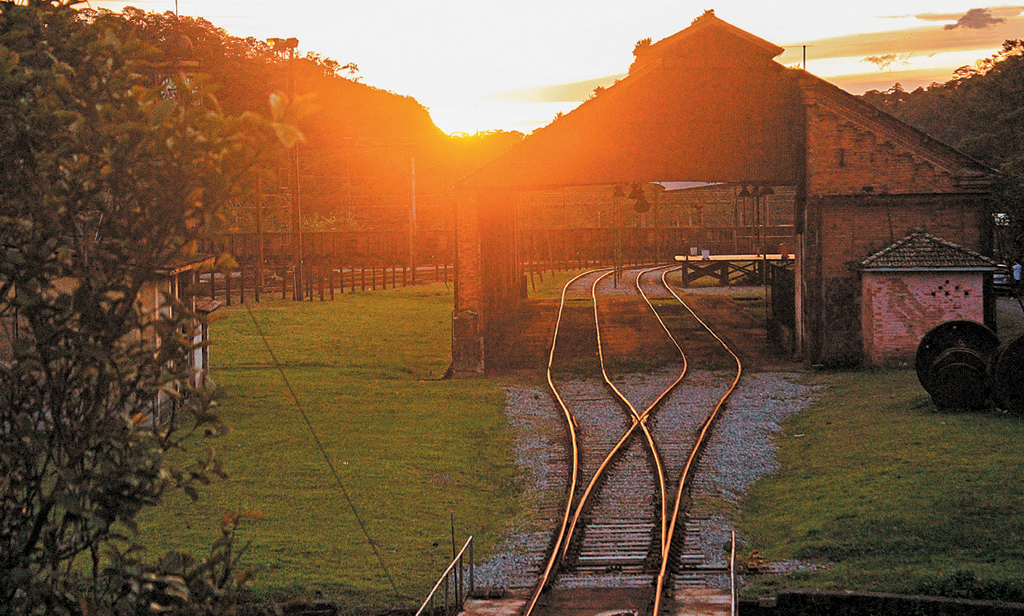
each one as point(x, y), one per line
point(740, 452)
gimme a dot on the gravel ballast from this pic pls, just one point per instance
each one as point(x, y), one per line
point(740, 452)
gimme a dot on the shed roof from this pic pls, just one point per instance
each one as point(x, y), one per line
point(708, 103)
point(183, 263)
point(924, 252)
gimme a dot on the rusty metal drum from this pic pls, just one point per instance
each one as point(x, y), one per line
point(1007, 377)
point(953, 361)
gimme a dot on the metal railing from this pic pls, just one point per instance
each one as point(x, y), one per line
point(453, 581)
point(732, 575)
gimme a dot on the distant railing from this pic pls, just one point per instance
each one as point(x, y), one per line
point(454, 583)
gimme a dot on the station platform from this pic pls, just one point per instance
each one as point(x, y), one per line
point(729, 270)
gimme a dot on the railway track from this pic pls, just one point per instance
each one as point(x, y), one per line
point(624, 519)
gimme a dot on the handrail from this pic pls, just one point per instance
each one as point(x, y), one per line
point(448, 573)
point(732, 575)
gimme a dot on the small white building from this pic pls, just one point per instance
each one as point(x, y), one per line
point(912, 286)
point(176, 284)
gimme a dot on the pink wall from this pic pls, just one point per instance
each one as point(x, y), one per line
point(899, 308)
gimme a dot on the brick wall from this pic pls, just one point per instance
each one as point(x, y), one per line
point(467, 229)
point(871, 181)
point(899, 308)
point(854, 227)
point(855, 149)
point(488, 275)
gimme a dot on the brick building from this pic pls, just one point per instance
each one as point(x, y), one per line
point(710, 104)
point(914, 285)
point(870, 180)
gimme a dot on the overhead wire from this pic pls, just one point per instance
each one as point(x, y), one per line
point(323, 452)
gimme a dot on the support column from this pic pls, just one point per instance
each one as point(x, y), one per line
point(467, 332)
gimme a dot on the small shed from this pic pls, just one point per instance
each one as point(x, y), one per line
point(912, 286)
point(173, 286)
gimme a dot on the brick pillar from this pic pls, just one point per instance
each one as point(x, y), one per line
point(467, 337)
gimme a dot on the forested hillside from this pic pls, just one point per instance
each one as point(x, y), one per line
point(361, 145)
point(981, 112)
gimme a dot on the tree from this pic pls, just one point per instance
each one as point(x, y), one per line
point(980, 111)
point(103, 180)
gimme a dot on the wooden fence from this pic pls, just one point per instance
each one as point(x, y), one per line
point(339, 261)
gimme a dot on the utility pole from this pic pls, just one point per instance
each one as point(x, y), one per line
point(805, 54)
point(412, 217)
point(281, 45)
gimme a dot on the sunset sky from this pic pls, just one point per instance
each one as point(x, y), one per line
point(482, 64)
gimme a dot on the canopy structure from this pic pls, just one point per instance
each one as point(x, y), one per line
point(711, 104)
point(706, 104)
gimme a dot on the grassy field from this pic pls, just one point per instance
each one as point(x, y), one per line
point(893, 494)
point(412, 451)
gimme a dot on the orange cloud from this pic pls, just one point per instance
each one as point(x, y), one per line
point(921, 40)
point(908, 79)
point(886, 60)
point(976, 19)
point(560, 93)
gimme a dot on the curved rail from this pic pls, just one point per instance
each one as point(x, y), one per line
point(698, 447)
point(639, 420)
point(571, 423)
point(668, 523)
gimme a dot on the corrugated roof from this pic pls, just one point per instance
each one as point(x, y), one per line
point(922, 251)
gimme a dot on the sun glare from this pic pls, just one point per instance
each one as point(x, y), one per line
point(456, 57)
point(482, 115)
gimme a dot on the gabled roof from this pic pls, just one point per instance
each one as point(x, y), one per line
point(969, 174)
point(923, 252)
point(695, 35)
point(705, 104)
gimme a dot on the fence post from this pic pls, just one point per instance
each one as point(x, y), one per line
point(320, 280)
point(227, 285)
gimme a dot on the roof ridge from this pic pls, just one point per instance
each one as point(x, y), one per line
point(921, 249)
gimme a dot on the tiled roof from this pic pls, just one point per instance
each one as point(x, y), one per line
point(184, 263)
point(207, 305)
point(921, 251)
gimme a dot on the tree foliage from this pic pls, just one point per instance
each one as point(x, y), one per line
point(355, 164)
point(105, 180)
point(981, 112)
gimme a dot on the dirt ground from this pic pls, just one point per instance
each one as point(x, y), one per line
point(737, 314)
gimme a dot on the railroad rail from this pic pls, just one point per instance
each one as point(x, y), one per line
point(622, 522)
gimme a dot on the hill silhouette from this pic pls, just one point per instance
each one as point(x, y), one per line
point(362, 143)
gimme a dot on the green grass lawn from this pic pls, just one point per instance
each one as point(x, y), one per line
point(893, 494)
point(411, 451)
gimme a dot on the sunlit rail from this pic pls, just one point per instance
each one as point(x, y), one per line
point(698, 448)
point(573, 509)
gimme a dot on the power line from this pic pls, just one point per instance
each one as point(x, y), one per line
point(323, 452)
